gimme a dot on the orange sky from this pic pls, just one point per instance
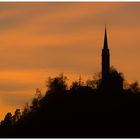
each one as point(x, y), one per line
point(38, 40)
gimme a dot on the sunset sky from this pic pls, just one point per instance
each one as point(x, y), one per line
point(38, 40)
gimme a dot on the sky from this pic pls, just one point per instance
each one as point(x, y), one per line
point(38, 40)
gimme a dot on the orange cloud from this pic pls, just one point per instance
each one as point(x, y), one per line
point(38, 40)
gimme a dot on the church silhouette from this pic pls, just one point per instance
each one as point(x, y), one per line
point(111, 79)
point(105, 60)
point(81, 111)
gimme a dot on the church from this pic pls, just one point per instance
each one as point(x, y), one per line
point(111, 79)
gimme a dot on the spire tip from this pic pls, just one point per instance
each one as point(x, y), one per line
point(105, 26)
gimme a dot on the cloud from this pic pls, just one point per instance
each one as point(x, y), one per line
point(15, 100)
point(38, 40)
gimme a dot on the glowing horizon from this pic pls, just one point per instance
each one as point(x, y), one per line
point(45, 39)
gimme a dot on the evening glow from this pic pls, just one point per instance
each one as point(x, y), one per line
point(38, 40)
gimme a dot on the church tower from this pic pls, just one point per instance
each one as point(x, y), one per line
point(105, 61)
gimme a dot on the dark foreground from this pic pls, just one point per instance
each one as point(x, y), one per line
point(78, 112)
point(81, 116)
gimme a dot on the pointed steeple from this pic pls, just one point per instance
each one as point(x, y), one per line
point(105, 62)
point(105, 39)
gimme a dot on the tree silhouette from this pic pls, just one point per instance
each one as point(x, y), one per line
point(8, 121)
point(116, 80)
point(26, 110)
point(57, 83)
point(16, 116)
point(36, 99)
point(134, 87)
point(84, 109)
point(95, 82)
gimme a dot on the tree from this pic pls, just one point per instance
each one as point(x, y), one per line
point(26, 110)
point(74, 86)
point(16, 116)
point(8, 120)
point(115, 80)
point(80, 82)
point(36, 99)
point(134, 87)
point(95, 81)
point(57, 84)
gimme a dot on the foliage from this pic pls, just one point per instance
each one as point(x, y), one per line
point(57, 84)
point(65, 110)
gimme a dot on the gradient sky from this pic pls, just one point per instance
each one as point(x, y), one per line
point(38, 40)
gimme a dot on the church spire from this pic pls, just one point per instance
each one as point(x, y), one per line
point(105, 39)
point(105, 61)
